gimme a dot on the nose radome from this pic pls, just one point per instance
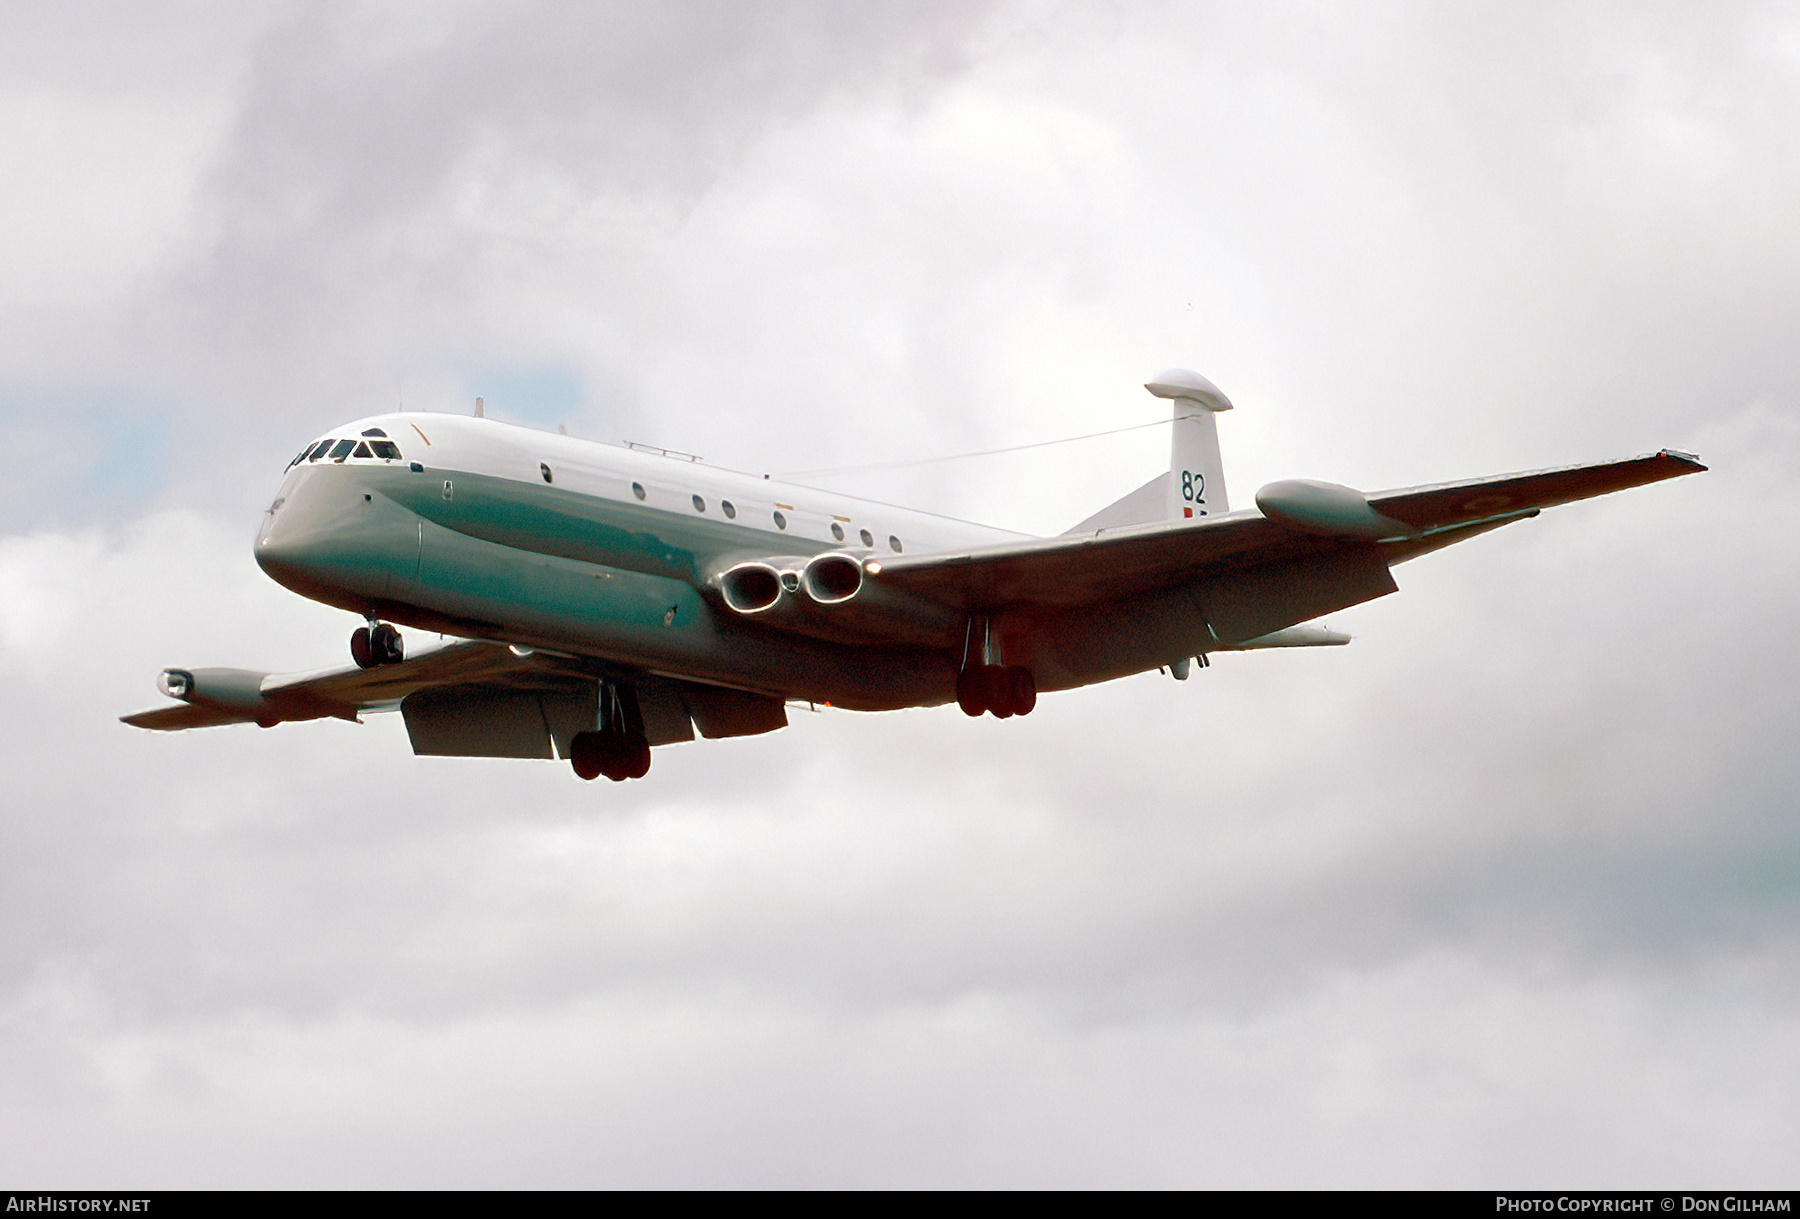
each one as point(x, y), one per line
point(332, 537)
point(295, 546)
point(288, 556)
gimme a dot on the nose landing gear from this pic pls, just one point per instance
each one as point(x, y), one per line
point(618, 748)
point(378, 643)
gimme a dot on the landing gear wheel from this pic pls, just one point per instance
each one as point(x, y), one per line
point(617, 757)
point(587, 754)
point(594, 753)
point(385, 645)
point(1021, 689)
point(1005, 690)
point(997, 683)
point(360, 651)
point(969, 693)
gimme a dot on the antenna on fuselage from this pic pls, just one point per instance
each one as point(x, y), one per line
point(480, 409)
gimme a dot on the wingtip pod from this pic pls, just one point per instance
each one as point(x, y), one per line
point(238, 689)
point(207, 697)
point(1327, 509)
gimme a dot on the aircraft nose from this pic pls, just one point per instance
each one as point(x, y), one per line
point(280, 560)
point(289, 549)
point(327, 537)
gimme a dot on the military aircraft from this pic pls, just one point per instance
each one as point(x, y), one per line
point(608, 599)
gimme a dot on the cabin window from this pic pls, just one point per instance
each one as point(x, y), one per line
point(699, 504)
point(868, 539)
point(780, 521)
point(637, 489)
point(893, 543)
point(729, 509)
point(342, 449)
point(544, 469)
point(837, 531)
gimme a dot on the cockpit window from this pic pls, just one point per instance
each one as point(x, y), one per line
point(337, 450)
point(375, 431)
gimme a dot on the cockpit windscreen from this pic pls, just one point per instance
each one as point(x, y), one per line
point(341, 450)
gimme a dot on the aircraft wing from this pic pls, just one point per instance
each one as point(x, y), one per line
point(1089, 568)
point(241, 696)
point(475, 698)
point(1450, 504)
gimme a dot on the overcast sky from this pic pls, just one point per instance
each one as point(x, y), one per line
point(1506, 893)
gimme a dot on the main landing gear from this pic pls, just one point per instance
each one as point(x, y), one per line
point(618, 748)
point(1006, 690)
point(376, 644)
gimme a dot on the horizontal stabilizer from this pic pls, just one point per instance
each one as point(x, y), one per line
point(1149, 503)
point(1292, 637)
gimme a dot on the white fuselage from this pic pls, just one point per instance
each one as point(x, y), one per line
point(482, 529)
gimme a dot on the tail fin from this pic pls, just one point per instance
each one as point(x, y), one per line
point(1196, 471)
point(1194, 484)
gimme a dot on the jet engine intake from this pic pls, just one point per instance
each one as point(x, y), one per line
point(750, 588)
point(835, 597)
point(832, 577)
